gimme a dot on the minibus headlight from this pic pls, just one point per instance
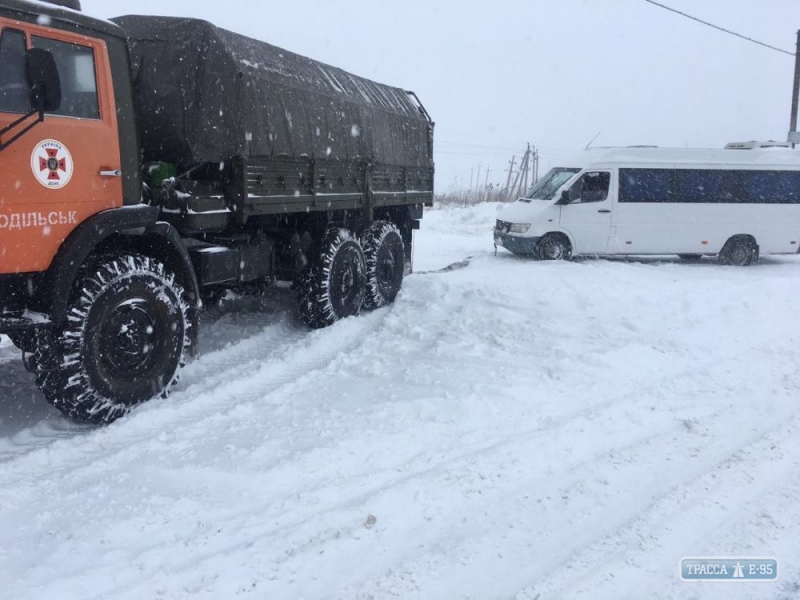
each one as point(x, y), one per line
point(519, 228)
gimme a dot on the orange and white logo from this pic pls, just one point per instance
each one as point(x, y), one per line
point(52, 165)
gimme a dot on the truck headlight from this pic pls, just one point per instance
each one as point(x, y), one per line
point(519, 228)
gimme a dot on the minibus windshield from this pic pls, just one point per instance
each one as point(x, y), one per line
point(548, 185)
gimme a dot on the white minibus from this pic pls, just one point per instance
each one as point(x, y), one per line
point(638, 201)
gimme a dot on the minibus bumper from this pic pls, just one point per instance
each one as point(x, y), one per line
point(527, 246)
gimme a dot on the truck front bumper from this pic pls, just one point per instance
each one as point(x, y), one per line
point(525, 246)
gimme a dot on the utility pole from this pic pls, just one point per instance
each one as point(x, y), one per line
point(478, 179)
point(486, 183)
point(527, 169)
point(524, 173)
point(510, 173)
point(516, 188)
point(795, 93)
point(471, 176)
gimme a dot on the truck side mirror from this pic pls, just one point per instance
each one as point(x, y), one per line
point(43, 80)
point(565, 199)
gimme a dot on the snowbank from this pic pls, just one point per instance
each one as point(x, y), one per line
point(472, 221)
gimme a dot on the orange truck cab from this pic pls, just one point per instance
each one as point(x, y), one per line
point(150, 163)
point(60, 167)
point(71, 189)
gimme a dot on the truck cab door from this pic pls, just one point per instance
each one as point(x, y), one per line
point(586, 212)
point(66, 168)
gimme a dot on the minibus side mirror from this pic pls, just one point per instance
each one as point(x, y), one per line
point(565, 199)
point(43, 80)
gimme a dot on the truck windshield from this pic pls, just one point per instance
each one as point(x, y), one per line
point(548, 185)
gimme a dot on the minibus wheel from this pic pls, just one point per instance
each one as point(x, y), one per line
point(740, 251)
point(554, 246)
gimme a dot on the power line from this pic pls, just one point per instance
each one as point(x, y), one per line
point(476, 153)
point(460, 145)
point(551, 155)
point(516, 146)
point(492, 138)
point(739, 35)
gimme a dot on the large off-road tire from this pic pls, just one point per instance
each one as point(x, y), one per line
point(334, 285)
point(554, 246)
point(126, 336)
point(385, 254)
point(740, 251)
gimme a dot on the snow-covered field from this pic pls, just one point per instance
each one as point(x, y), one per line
point(510, 429)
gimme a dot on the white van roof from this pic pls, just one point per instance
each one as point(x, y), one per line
point(684, 157)
point(756, 144)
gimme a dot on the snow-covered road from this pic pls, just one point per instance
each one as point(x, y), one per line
point(510, 429)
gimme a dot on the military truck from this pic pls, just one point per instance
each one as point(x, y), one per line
point(149, 163)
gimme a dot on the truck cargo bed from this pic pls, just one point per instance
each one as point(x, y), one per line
point(203, 94)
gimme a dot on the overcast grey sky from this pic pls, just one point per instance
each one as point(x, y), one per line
point(495, 75)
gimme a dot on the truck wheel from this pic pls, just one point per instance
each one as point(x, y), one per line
point(385, 254)
point(554, 247)
point(126, 335)
point(333, 287)
point(739, 252)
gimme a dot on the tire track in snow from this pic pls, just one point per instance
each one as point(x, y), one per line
point(743, 370)
point(379, 485)
point(639, 396)
point(741, 487)
point(319, 530)
point(193, 408)
point(215, 367)
point(530, 563)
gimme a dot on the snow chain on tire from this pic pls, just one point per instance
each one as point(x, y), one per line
point(384, 253)
point(125, 337)
point(333, 287)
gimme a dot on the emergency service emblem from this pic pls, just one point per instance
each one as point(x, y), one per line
point(52, 164)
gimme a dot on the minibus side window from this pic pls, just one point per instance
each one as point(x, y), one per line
point(591, 187)
point(699, 186)
point(645, 185)
point(732, 188)
point(710, 186)
point(14, 93)
point(773, 187)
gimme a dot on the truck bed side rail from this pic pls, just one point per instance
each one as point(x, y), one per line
point(284, 185)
